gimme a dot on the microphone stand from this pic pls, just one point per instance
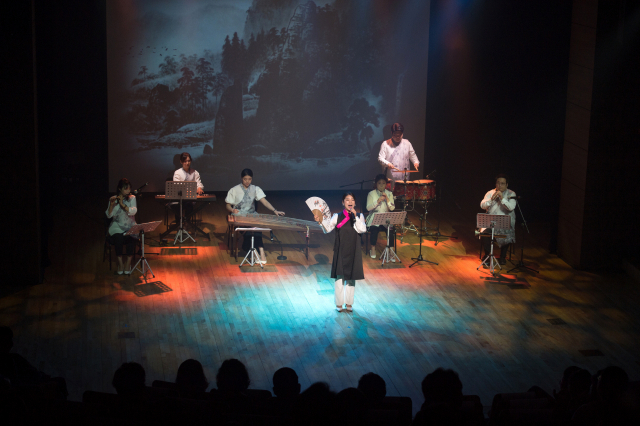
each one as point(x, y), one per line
point(282, 256)
point(520, 264)
point(437, 234)
point(419, 258)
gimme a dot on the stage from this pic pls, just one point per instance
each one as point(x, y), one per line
point(500, 334)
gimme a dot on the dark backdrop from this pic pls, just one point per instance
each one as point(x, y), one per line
point(496, 97)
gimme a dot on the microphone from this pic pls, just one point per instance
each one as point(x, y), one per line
point(140, 189)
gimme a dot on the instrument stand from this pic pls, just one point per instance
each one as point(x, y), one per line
point(520, 264)
point(419, 258)
point(388, 219)
point(141, 229)
point(181, 191)
point(252, 256)
point(403, 227)
point(181, 231)
point(492, 221)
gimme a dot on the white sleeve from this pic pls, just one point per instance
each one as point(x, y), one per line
point(230, 198)
point(371, 203)
point(332, 224)
point(133, 208)
point(360, 225)
point(112, 211)
point(259, 194)
point(382, 155)
point(486, 201)
point(177, 176)
point(412, 154)
point(196, 176)
point(507, 204)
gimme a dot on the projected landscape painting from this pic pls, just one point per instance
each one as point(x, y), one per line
point(299, 91)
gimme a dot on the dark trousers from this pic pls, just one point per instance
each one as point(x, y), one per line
point(187, 208)
point(375, 230)
point(486, 244)
point(257, 240)
point(120, 240)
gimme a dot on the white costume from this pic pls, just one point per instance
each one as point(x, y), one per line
point(505, 206)
point(181, 175)
point(401, 156)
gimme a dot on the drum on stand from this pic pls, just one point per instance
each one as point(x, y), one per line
point(403, 190)
point(424, 189)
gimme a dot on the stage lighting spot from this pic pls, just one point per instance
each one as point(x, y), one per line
point(178, 251)
point(148, 289)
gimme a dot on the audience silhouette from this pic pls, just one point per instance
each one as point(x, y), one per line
point(607, 398)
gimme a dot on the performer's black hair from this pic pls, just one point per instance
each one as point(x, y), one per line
point(346, 194)
point(246, 172)
point(379, 178)
point(122, 183)
point(183, 157)
point(502, 175)
point(397, 127)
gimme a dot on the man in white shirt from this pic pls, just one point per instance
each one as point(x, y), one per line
point(395, 155)
point(186, 174)
point(500, 201)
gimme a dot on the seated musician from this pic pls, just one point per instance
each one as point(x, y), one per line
point(380, 200)
point(186, 174)
point(122, 210)
point(395, 154)
point(241, 199)
point(500, 201)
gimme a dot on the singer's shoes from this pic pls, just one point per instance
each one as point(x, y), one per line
point(393, 259)
point(338, 308)
point(120, 271)
point(349, 308)
point(373, 253)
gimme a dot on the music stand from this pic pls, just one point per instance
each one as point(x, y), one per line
point(252, 251)
point(492, 221)
point(181, 191)
point(141, 228)
point(388, 219)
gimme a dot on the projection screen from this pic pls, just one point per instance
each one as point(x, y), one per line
point(301, 92)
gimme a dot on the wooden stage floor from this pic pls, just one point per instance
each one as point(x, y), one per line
point(500, 335)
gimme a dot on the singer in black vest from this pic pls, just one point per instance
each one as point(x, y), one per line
point(347, 254)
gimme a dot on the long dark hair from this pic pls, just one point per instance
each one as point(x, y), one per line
point(246, 172)
point(122, 183)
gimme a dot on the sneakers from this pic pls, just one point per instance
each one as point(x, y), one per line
point(373, 253)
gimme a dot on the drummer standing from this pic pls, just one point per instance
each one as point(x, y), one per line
point(397, 153)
